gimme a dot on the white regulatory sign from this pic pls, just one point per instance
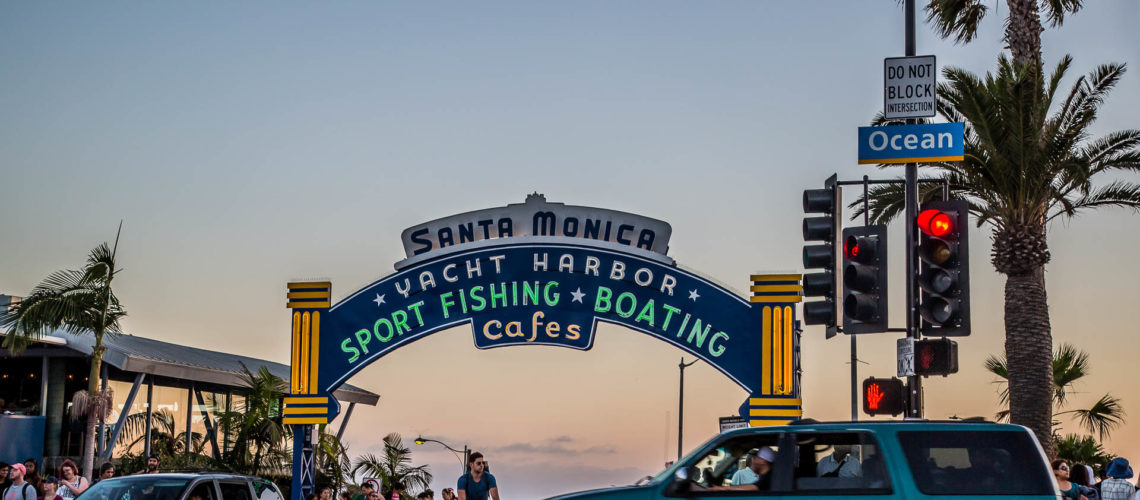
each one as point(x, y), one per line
point(909, 87)
point(905, 357)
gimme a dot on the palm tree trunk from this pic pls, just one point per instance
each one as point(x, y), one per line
point(1029, 350)
point(1023, 32)
point(93, 417)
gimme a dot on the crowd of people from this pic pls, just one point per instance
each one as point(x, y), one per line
point(23, 481)
point(1077, 481)
point(477, 483)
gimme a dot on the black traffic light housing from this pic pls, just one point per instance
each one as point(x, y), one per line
point(865, 279)
point(935, 357)
point(826, 230)
point(944, 271)
point(884, 396)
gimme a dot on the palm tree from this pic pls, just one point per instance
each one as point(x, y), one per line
point(959, 19)
point(1023, 168)
point(78, 301)
point(1069, 365)
point(332, 459)
point(165, 442)
point(394, 466)
point(1083, 450)
point(254, 429)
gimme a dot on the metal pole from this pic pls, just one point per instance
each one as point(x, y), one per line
point(681, 407)
point(149, 414)
point(854, 350)
point(189, 415)
point(914, 383)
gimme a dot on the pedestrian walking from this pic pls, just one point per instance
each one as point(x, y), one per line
point(106, 471)
point(1116, 485)
point(1069, 489)
point(1079, 474)
point(49, 488)
point(477, 483)
point(4, 481)
point(19, 489)
point(33, 475)
point(71, 484)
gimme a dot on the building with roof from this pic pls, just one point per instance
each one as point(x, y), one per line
point(145, 375)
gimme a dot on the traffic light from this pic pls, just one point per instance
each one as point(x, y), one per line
point(884, 396)
point(825, 229)
point(935, 357)
point(865, 279)
point(944, 273)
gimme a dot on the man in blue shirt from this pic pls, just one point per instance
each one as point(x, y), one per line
point(477, 484)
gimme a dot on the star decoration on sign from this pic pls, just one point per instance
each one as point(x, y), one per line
point(693, 295)
point(379, 299)
point(577, 296)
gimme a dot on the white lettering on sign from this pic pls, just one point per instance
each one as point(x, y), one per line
point(879, 141)
point(909, 87)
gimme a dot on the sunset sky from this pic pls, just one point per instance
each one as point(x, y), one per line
point(246, 145)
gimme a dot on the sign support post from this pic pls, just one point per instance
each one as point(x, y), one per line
point(914, 383)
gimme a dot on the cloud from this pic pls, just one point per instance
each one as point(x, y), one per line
point(555, 446)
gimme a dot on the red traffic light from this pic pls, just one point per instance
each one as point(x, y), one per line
point(851, 248)
point(935, 222)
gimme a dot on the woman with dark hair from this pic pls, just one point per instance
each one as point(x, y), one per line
point(1069, 489)
point(71, 484)
point(106, 471)
point(33, 475)
point(1080, 475)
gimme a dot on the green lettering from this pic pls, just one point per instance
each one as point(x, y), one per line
point(604, 295)
point(416, 309)
point(501, 295)
point(363, 337)
point(643, 314)
point(477, 303)
point(351, 350)
point(632, 305)
point(445, 302)
point(400, 318)
point(698, 333)
point(670, 310)
point(530, 293)
point(376, 329)
point(714, 349)
point(551, 299)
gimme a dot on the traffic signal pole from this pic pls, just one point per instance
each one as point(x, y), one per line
point(913, 382)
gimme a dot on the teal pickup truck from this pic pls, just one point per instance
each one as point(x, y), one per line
point(865, 460)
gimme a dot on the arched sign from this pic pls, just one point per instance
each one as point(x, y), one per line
point(539, 273)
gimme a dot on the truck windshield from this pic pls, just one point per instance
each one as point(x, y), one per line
point(976, 463)
point(142, 487)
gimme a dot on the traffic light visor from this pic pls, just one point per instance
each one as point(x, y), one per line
point(935, 223)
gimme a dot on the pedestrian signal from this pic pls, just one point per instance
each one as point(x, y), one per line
point(884, 396)
point(935, 357)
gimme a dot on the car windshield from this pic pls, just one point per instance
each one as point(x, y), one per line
point(142, 487)
point(976, 463)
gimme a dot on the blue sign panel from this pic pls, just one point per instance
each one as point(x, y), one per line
point(542, 294)
point(930, 142)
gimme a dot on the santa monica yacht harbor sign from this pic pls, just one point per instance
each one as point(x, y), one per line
point(540, 273)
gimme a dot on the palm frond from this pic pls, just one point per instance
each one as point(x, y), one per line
point(957, 19)
point(1102, 417)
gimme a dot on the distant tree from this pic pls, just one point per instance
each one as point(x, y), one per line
point(1083, 450)
point(259, 441)
point(394, 466)
point(80, 302)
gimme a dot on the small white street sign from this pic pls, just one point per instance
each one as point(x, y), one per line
point(909, 87)
point(905, 357)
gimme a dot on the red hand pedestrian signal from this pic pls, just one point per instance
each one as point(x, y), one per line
point(874, 396)
point(883, 396)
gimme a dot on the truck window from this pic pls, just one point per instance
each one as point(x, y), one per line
point(850, 463)
point(722, 466)
point(976, 463)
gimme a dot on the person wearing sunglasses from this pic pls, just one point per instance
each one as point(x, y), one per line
point(1069, 489)
point(477, 483)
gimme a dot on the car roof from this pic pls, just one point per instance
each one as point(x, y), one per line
point(881, 425)
point(184, 475)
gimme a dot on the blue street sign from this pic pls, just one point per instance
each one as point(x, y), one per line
point(930, 142)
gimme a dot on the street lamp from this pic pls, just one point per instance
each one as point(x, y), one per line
point(462, 458)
